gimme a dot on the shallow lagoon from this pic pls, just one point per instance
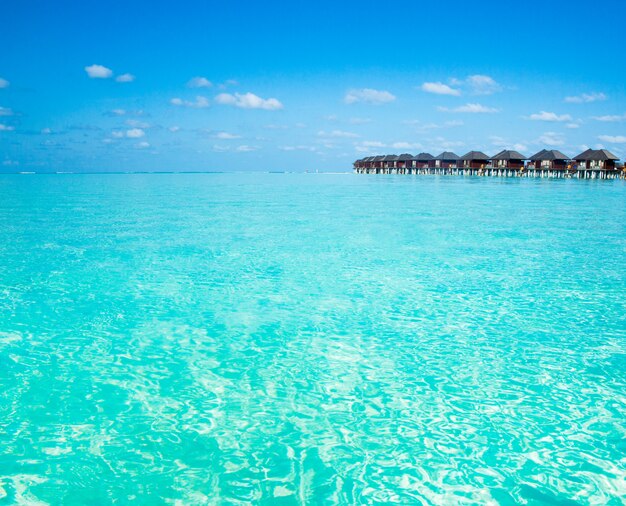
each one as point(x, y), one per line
point(312, 338)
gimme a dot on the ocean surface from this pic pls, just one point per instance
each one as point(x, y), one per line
point(311, 339)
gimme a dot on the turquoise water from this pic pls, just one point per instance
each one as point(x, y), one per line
point(311, 339)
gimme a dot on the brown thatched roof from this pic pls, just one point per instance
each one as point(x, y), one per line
point(596, 155)
point(423, 157)
point(475, 155)
point(549, 154)
point(447, 155)
point(405, 157)
point(509, 154)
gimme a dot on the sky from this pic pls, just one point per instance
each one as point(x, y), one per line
point(219, 86)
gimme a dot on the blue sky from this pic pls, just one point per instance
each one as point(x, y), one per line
point(144, 85)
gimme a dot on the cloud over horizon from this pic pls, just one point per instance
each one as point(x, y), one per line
point(199, 82)
point(585, 98)
point(478, 84)
point(440, 89)
point(98, 71)
point(549, 116)
point(613, 139)
point(248, 101)
point(125, 78)
point(368, 96)
point(473, 108)
point(199, 103)
point(610, 117)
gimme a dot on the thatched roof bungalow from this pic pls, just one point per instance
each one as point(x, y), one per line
point(368, 162)
point(446, 160)
point(404, 160)
point(377, 162)
point(474, 160)
point(509, 159)
point(423, 160)
point(549, 159)
point(596, 159)
point(389, 161)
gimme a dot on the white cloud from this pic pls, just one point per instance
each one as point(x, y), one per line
point(135, 123)
point(368, 96)
point(610, 117)
point(4, 83)
point(199, 103)
point(549, 116)
point(118, 112)
point(135, 133)
point(125, 78)
point(478, 84)
point(482, 85)
point(10, 163)
point(116, 134)
point(470, 108)
point(406, 145)
point(239, 149)
point(440, 89)
point(446, 144)
point(226, 136)
point(6, 128)
point(297, 148)
point(46, 131)
point(613, 139)
point(367, 146)
point(500, 142)
point(337, 134)
point(199, 82)
point(142, 145)
point(572, 125)
point(585, 98)
point(373, 144)
point(98, 72)
point(174, 128)
point(248, 101)
point(552, 139)
point(425, 127)
point(6, 111)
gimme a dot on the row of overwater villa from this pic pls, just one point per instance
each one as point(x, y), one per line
point(590, 164)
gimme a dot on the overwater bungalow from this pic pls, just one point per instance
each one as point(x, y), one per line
point(446, 160)
point(590, 164)
point(549, 159)
point(508, 159)
point(368, 162)
point(596, 159)
point(474, 160)
point(389, 162)
point(377, 163)
point(423, 161)
point(404, 162)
